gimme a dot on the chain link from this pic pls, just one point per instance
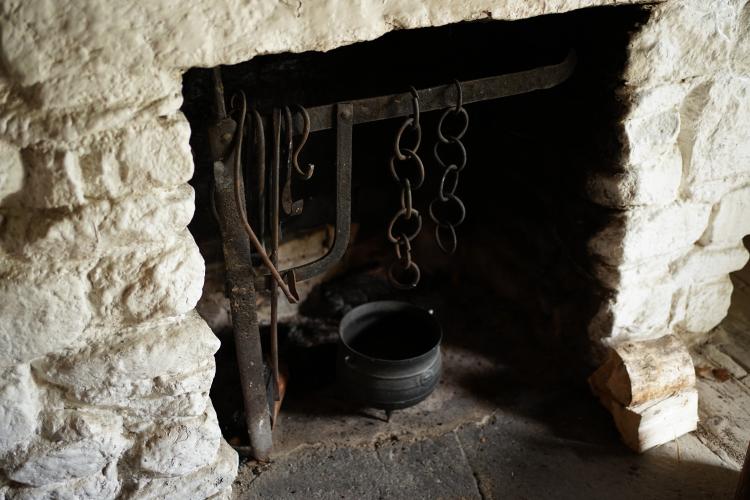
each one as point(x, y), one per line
point(406, 224)
point(447, 210)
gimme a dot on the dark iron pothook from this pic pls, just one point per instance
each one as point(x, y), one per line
point(389, 354)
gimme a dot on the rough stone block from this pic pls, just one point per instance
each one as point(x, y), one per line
point(41, 314)
point(656, 181)
point(646, 232)
point(102, 89)
point(139, 413)
point(180, 446)
point(53, 178)
point(652, 135)
point(201, 483)
point(37, 48)
point(706, 305)
point(741, 55)
point(634, 314)
point(683, 40)
point(107, 369)
point(158, 155)
point(645, 101)
point(718, 157)
point(147, 281)
point(705, 264)
point(19, 406)
point(103, 485)
point(76, 444)
point(137, 157)
point(98, 227)
point(111, 164)
point(11, 174)
point(627, 276)
point(646, 279)
point(730, 220)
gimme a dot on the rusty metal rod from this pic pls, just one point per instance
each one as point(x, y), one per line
point(442, 96)
point(240, 279)
point(221, 107)
point(274, 215)
point(241, 288)
point(260, 175)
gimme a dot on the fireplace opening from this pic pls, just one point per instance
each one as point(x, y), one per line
point(587, 312)
point(515, 299)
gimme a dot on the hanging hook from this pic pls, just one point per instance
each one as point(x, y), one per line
point(415, 102)
point(460, 94)
point(238, 186)
point(290, 206)
point(305, 134)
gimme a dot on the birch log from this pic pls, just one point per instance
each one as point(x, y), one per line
point(637, 372)
point(649, 387)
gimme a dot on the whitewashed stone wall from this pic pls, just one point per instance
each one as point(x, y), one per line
point(105, 365)
point(684, 189)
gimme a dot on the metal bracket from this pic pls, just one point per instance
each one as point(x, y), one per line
point(344, 126)
point(344, 115)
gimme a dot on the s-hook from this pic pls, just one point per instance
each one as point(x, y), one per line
point(290, 206)
point(308, 172)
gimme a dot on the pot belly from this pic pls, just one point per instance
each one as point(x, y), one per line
point(388, 387)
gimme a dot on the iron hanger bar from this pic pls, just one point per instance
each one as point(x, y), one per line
point(344, 115)
point(443, 96)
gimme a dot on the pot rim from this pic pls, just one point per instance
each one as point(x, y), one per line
point(389, 306)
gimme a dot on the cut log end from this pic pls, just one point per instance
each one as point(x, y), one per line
point(649, 387)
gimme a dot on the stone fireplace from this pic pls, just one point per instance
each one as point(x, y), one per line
point(106, 364)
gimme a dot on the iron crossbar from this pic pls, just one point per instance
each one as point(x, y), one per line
point(373, 109)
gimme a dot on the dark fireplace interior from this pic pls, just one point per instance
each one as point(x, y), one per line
point(515, 299)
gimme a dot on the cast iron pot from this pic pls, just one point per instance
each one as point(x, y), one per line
point(389, 354)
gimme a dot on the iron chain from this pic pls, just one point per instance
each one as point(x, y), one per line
point(447, 210)
point(406, 224)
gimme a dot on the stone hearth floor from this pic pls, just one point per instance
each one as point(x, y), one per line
point(502, 425)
